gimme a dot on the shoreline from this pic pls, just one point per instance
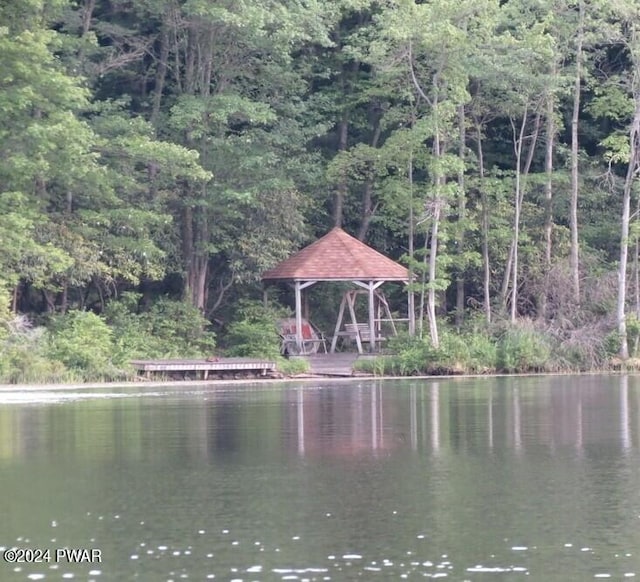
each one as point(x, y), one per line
point(288, 380)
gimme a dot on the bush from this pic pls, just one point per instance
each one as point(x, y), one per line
point(516, 349)
point(255, 332)
point(168, 329)
point(378, 366)
point(483, 353)
point(82, 341)
point(131, 340)
point(5, 313)
point(179, 328)
point(23, 359)
point(292, 366)
point(521, 348)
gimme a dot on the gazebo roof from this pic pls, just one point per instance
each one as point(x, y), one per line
point(337, 256)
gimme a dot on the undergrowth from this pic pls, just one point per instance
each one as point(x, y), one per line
point(503, 347)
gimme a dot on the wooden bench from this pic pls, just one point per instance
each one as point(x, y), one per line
point(359, 332)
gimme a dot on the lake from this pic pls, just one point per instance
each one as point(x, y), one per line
point(521, 478)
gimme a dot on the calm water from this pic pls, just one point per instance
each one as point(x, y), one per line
point(479, 479)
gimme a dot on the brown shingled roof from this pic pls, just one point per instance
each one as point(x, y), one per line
point(338, 256)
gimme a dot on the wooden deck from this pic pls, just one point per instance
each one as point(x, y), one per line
point(222, 367)
point(329, 365)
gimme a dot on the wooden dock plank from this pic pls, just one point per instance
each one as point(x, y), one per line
point(221, 365)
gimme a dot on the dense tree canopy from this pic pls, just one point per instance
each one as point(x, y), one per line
point(182, 147)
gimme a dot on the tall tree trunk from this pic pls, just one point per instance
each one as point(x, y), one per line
point(433, 254)
point(511, 271)
point(341, 190)
point(573, 207)
point(368, 208)
point(423, 286)
point(161, 75)
point(410, 303)
point(461, 219)
point(634, 135)
point(187, 251)
point(197, 258)
point(343, 142)
point(433, 246)
point(87, 14)
point(486, 266)
point(516, 219)
point(519, 197)
point(548, 198)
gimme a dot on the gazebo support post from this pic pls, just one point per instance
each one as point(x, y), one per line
point(334, 341)
point(298, 286)
point(351, 302)
point(371, 287)
point(372, 315)
point(298, 294)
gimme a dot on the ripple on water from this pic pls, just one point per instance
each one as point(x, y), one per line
point(489, 569)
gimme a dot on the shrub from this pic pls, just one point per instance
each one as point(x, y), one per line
point(292, 366)
point(23, 359)
point(483, 353)
point(179, 328)
point(521, 348)
point(255, 332)
point(378, 366)
point(168, 329)
point(5, 313)
point(82, 341)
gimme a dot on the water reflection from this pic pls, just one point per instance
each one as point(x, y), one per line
point(465, 479)
point(553, 415)
point(368, 419)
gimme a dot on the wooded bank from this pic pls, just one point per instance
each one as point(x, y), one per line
point(178, 149)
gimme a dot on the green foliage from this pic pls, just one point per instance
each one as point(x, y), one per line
point(378, 366)
point(5, 312)
point(24, 359)
point(179, 327)
point(255, 331)
point(81, 345)
point(82, 341)
point(483, 353)
point(633, 335)
point(515, 349)
point(521, 348)
point(292, 366)
point(204, 142)
point(167, 329)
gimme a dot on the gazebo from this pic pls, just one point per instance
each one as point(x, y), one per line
point(338, 256)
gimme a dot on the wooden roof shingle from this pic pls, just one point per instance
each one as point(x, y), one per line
point(337, 256)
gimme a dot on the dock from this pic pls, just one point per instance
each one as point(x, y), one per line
point(327, 365)
point(224, 368)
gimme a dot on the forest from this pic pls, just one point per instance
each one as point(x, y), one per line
point(156, 156)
